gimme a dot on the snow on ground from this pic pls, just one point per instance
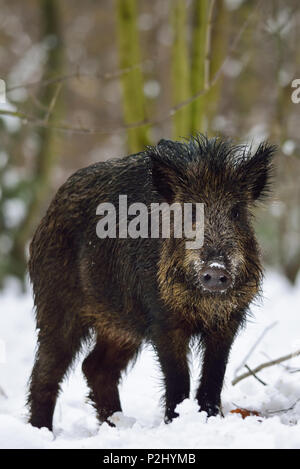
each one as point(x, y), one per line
point(141, 425)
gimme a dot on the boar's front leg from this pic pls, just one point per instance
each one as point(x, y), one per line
point(217, 344)
point(172, 348)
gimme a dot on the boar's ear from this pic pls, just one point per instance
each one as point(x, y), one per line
point(165, 169)
point(258, 170)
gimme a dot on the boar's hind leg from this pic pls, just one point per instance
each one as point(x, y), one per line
point(172, 349)
point(54, 356)
point(102, 369)
point(216, 351)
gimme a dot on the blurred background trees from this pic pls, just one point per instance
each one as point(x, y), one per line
point(94, 80)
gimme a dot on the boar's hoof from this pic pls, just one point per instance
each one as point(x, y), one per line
point(170, 415)
point(211, 409)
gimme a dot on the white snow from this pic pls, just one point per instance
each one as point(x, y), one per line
point(141, 425)
point(217, 265)
point(12, 123)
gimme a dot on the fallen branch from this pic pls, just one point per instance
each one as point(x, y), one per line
point(251, 372)
point(264, 365)
point(284, 410)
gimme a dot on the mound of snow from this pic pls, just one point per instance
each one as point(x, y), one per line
point(141, 423)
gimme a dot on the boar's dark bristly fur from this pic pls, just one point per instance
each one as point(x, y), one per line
point(127, 291)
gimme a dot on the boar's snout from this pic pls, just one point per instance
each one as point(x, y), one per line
point(215, 278)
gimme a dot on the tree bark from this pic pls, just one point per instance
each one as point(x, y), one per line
point(48, 151)
point(132, 82)
point(200, 12)
point(219, 42)
point(180, 69)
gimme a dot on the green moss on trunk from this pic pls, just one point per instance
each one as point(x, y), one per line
point(132, 81)
point(200, 10)
point(180, 69)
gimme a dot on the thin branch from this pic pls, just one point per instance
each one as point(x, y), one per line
point(3, 393)
point(264, 365)
point(36, 101)
point(75, 75)
point(254, 375)
point(285, 367)
point(250, 411)
point(267, 329)
point(66, 128)
point(52, 103)
point(284, 410)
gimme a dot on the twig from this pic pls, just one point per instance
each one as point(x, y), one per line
point(52, 103)
point(3, 393)
point(244, 408)
point(285, 367)
point(36, 101)
point(284, 410)
point(75, 75)
point(265, 365)
point(254, 375)
point(62, 127)
point(267, 329)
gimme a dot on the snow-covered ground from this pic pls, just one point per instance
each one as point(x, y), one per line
point(141, 426)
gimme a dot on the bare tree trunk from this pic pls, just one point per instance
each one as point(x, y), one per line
point(47, 153)
point(200, 15)
point(180, 68)
point(132, 82)
point(219, 43)
point(288, 219)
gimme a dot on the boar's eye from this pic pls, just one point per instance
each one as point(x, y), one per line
point(235, 212)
